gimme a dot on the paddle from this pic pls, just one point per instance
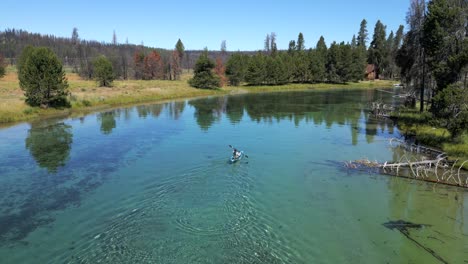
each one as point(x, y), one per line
point(234, 148)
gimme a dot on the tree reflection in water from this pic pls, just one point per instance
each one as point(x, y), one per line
point(50, 145)
point(321, 108)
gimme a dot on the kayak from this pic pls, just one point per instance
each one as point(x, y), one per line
point(234, 159)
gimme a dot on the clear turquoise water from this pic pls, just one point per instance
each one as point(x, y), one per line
point(152, 184)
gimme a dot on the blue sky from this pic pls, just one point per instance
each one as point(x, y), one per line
point(243, 24)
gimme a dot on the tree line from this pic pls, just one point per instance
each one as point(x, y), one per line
point(338, 63)
point(433, 60)
point(129, 61)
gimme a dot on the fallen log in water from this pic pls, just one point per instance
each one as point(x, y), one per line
point(435, 169)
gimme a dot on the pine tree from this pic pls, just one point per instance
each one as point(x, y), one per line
point(103, 71)
point(273, 46)
point(446, 48)
point(445, 41)
point(236, 67)
point(300, 43)
point(332, 63)
point(292, 47)
point(256, 70)
point(114, 38)
point(410, 56)
point(390, 67)
point(203, 73)
point(358, 64)
point(321, 55)
point(353, 41)
point(362, 35)
point(377, 53)
point(42, 78)
point(180, 50)
point(267, 43)
point(345, 62)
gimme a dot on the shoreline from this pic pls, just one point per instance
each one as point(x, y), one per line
point(84, 101)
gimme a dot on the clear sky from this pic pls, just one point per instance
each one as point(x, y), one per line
point(243, 24)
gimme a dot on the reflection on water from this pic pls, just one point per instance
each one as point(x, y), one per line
point(50, 145)
point(320, 108)
point(107, 121)
point(208, 110)
point(152, 184)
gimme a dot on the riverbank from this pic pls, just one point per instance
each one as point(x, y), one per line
point(87, 97)
point(418, 125)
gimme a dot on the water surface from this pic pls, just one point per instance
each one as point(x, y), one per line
point(152, 184)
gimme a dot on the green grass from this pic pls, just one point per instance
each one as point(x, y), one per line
point(305, 86)
point(427, 132)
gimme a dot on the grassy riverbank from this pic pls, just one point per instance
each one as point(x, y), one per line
point(427, 132)
point(87, 97)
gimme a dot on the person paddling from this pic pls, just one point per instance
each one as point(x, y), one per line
point(235, 153)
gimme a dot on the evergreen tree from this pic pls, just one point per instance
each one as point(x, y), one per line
point(452, 108)
point(256, 70)
point(390, 68)
point(445, 41)
point(398, 38)
point(362, 35)
point(300, 46)
point(446, 47)
point(236, 67)
point(275, 70)
point(267, 43)
point(42, 78)
point(358, 64)
point(273, 46)
point(353, 41)
point(377, 53)
point(397, 43)
point(203, 73)
point(301, 67)
point(292, 46)
point(75, 39)
point(333, 57)
point(223, 48)
point(103, 71)
point(410, 56)
point(284, 70)
point(345, 62)
point(180, 49)
point(114, 39)
point(319, 64)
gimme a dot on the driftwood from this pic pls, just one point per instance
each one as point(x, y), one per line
point(436, 169)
